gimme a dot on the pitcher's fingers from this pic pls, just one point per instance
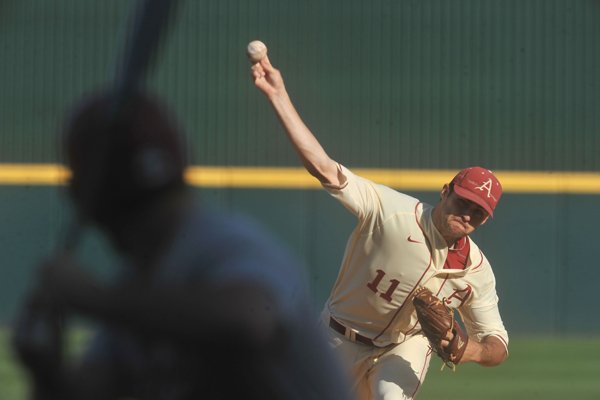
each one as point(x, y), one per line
point(266, 64)
point(257, 71)
point(447, 335)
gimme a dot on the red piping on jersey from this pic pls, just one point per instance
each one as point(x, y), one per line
point(442, 285)
point(427, 356)
point(412, 328)
point(416, 285)
point(481, 260)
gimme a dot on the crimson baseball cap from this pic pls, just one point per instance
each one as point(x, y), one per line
point(480, 186)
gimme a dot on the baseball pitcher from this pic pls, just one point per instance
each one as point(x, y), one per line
point(407, 267)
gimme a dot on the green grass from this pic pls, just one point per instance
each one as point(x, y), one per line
point(13, 379)
point(546, 368)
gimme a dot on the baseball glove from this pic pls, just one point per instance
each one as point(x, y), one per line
point(436, 320)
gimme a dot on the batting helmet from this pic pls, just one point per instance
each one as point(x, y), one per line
point(120, 159)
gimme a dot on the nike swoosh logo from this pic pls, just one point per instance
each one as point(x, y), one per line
point(410, 239)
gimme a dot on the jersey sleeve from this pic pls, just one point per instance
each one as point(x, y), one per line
point(481, 315)
point(370, 202)
point(357, 194)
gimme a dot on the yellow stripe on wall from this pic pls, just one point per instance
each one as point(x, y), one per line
point(298, 178)
point(33, 174)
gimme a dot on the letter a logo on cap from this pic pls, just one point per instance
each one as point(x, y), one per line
point(480, 186)
point(487, 185)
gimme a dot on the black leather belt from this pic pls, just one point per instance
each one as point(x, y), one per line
point(355, 337)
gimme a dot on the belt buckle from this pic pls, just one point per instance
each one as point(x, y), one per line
point(351, 334)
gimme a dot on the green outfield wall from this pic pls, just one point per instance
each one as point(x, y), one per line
point(398, 89)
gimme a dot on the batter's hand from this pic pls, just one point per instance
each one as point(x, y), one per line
point(65, 282)
point(38, 333)
point(268, 79)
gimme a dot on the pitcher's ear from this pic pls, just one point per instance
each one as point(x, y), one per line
point(445, 191)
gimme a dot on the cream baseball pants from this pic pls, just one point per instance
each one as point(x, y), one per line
point(395, 372)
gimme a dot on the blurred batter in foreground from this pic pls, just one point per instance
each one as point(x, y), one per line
point(208, 306)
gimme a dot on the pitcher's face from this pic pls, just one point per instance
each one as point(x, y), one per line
point(458, 217)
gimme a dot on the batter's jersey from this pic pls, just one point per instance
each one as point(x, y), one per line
point(394, 249)
point(221, 250)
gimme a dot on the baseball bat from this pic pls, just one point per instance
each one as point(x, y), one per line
point(41, 330)
point(147, 25)
point(141, 46)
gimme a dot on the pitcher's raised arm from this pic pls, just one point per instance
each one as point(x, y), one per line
point(316, 161)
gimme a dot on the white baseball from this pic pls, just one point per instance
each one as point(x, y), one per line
point(256, 51)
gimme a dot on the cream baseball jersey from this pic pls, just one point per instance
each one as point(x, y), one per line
point(394, 249)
